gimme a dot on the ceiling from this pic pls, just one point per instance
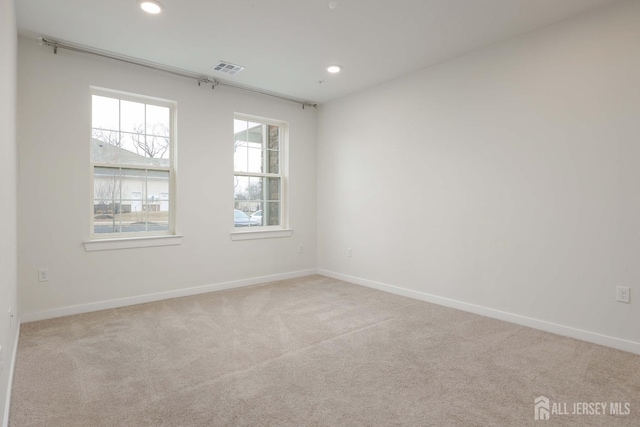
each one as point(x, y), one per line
point(286, 45)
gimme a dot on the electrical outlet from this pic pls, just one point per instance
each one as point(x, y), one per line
point(11, 317)
point(43, 275)
point(300, 249)
point(622, 294)
point(349, 252)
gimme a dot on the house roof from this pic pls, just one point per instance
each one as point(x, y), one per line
point(253, 134)
point(103, 152)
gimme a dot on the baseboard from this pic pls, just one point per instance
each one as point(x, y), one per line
point(142, 299)
point(592, 337)
point(12, 365)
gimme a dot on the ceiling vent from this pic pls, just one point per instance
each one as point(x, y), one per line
point(226, 67)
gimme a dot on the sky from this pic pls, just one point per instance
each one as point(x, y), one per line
point(111, 114)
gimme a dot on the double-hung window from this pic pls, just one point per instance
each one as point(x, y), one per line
point(259, 172)
point(133, 165)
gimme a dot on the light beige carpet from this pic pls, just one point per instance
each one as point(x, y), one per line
point(307, 352)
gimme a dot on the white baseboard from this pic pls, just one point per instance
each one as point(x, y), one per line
point(593, 337)
point(12, 365)
point(142, 299)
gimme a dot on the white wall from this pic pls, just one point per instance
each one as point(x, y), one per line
point(8, 193)
point(54, 114)
point(507, 178)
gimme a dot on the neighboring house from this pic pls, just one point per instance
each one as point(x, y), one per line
point(127, 189)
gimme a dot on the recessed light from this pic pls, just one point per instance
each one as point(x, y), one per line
point(151, 6)
point(333, 69)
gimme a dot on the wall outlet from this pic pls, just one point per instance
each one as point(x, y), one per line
point(11, 317)
point(43, 275)
point(349, 252)
point(300, 249)
point(622, 294)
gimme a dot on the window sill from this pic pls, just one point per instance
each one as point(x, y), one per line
point(131, 242)
point(260, 234)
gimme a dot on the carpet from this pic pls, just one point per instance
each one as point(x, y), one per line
point(312, 351)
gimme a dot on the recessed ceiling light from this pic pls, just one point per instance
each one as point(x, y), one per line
point(151, 6)
point(333, 69)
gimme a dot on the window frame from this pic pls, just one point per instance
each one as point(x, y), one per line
point(267, 231)
point(132, 238)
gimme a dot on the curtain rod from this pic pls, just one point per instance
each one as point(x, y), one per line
point(201, 79)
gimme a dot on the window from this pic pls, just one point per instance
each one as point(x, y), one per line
point(132, 159)
point(259, 177)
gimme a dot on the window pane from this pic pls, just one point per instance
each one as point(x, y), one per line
point(131, 134)
point(104, 147)
point(132, 117)
point(151, 221)
point(240, 218)
point(248, 132)
point(248, 199)
point(145, 201)
point(240, 129)
point(158, 221)
point(257, 152)
point(256, 214)
point(130, 153)
point(104, 113)
point(274, 137)
point(254, 160)
point(240, 159)
point(241, 188)
point(158, 190)
point(142, 150)
point(104, 220)
point(255, 189)
point(248, 188)
point(110, 137)
point(106, 187)
point(106, 203)
point(158, 120)
point(241, 143)
point(273, 188)
point(134, 193)
point(271, 215)
point(132, 201)
point(254, 133)
point(157, 147)
point(273, 161)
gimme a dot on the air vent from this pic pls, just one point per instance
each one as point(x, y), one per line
point(226, 67)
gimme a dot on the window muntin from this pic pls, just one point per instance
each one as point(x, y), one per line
point(258, 177)
point(132, 158)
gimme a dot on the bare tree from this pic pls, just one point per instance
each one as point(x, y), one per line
point(155, 145)
point(107, 136)
point(252, 192)
point(248, 197)
point(107, 192)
